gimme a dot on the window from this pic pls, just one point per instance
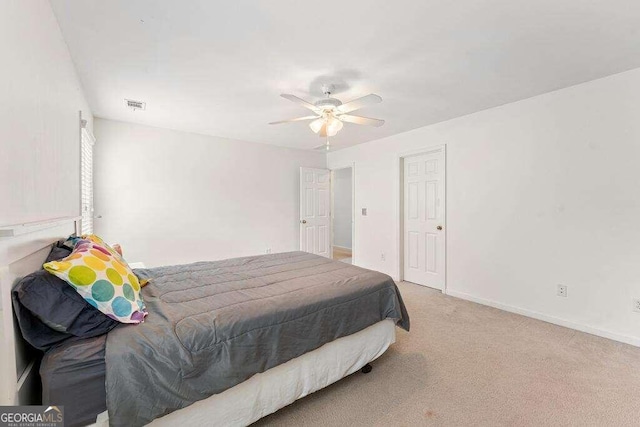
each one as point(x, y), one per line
point(86, 180)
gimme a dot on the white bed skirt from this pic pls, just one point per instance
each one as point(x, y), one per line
point(265, 393)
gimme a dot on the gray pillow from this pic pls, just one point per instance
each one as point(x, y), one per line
point(58, 251)
point(49, 311)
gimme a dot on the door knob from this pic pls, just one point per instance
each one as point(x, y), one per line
point(304, 221)
point(439, 227)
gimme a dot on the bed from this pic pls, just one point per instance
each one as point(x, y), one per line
point(228, 342)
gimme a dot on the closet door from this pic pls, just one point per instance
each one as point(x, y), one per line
point(424, 219)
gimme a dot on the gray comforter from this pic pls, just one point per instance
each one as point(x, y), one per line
point(212, 325)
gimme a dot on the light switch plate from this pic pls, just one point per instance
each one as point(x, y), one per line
point(364, 211)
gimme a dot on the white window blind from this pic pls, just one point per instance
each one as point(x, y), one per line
point(86, 181)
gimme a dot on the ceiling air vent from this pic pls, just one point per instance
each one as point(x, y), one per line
point(135, 105)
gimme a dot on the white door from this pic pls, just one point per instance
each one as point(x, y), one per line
point(424, 219)
point(315, 215)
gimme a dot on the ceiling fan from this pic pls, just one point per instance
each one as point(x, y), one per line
point(330, 113)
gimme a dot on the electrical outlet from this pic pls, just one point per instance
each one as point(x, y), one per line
point(382, 257)
point(636, 305)
point(562, 290)
point(268, 251)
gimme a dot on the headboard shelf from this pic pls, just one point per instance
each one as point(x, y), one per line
point(30, 227)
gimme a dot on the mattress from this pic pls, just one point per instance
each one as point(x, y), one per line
point(73, 375)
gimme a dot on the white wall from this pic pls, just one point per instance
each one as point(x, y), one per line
point(172, 197)
point(540, 192)
point(342, 206)
point(40, 97)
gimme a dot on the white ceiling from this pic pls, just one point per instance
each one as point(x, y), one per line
point(218, 67)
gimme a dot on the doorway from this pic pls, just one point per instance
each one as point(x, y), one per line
point(422, 217)
point(342, 214)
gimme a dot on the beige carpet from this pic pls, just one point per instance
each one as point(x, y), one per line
point(465, 364)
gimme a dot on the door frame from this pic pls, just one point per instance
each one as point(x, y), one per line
point(399, 199)
point(334, 168)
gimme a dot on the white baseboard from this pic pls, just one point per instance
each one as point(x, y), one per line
point(551, 319)
point(344, 248)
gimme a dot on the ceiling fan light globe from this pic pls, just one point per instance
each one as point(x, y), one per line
point(333, 126)
point(316, 125)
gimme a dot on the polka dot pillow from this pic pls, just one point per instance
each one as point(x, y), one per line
point(104, 280)
point(97, 240)
point(116, 253)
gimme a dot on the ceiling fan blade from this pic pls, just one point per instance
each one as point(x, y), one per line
point(359, 103)
point(294, 120)
point(300, 101)
point(361, 120)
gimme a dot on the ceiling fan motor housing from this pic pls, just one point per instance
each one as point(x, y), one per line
point(328, 103)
